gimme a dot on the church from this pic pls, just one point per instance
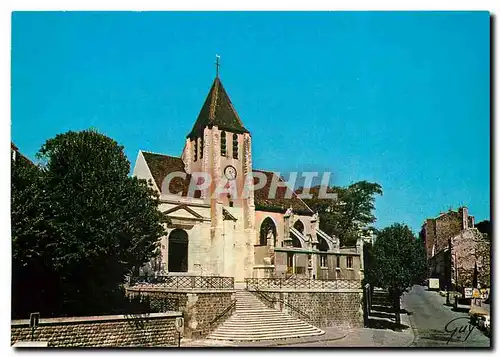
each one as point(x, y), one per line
point(266, 232)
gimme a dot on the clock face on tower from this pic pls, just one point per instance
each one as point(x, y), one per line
point(230, 172)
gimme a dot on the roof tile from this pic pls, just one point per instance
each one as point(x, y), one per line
point(161, 165)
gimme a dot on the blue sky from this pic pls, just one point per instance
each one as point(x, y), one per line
point(397, 98)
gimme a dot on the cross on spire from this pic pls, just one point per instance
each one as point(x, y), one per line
point(217, 65)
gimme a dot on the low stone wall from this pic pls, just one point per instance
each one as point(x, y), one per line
point(323, 309)
point(199, 307)
point(145, 330)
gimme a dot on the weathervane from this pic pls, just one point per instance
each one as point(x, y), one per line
point(217, 58)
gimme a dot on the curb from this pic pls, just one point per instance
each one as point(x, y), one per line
point(407, 317)
point(290, 342)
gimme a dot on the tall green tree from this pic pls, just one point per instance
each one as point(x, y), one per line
point(398, 262)
point(101, 223)
point(32, 279)
point(350, 214)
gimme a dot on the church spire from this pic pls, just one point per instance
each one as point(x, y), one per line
point(217, 110)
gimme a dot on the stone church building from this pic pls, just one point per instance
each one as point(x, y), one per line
point(242, 236)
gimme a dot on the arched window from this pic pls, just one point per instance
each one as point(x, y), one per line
point(223, 143)
point(267, 232)
point(235, 146)
point(195, 149)
point(296, 242)
point(323, 245)
point(178, 251)
point(299, 226)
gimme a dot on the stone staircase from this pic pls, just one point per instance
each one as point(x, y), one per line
point(253, 321)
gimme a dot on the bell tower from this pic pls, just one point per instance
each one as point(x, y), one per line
point(218, 147)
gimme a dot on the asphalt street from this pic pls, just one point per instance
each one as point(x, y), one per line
point(436, 325)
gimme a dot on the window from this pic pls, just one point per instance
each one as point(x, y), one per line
point(223, 143)
point(201, 148)
point(178, 251)
point(195, 149)
point(349, 262)
point(235, 146)
point(299, 226)
point(289, 260)
point(338, 262)
point(322, 261)
point(267, 235)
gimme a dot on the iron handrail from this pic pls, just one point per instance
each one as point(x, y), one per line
point(185, 282)
point(273, 300)
point(303, 283)
point(226, 310)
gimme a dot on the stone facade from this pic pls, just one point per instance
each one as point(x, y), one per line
point(142, 330)
point(469, 247)
point(259, 232)
point(437, 231)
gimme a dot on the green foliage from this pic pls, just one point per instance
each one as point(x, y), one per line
point(348, 216)
point(398, 259)
point(98, 223)
point(484, 227)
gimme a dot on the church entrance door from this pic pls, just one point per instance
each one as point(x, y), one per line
point(178, 251)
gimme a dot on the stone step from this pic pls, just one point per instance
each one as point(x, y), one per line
point(257, 309)
point(253, 320)
point(273, 336)
point(256, 317)
point(264, 316)
point(257, 331)
point(243, 323)
point(265, 327)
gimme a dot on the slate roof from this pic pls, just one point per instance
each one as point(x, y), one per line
point(279, 203)
point(161, 165)
point(20, 157)
point(217, 110)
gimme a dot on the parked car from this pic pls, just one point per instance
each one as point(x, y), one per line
point(483, 323)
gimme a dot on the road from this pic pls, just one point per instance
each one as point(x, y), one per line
point(436, 325)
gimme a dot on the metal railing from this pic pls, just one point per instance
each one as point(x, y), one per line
point(300, 283)
point(183, 282)
point(274, 300)
point(224, 312)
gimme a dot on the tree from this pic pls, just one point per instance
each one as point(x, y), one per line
point(101, 223)
point(398, 262)
point(348, 216)
point(484, 227)
point(30, 256)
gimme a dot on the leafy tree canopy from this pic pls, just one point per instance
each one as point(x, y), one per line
point(350, 214)
point(398, 261)
point(98, 223)
point(484, 227)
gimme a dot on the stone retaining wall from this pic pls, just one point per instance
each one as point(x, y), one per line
point(144, 330)
point(323, 309)
point(199, 307)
